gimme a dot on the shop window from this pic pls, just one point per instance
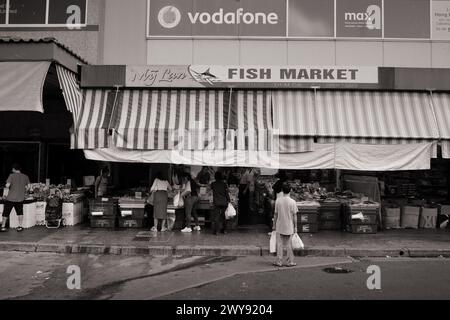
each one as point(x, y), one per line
point(2, 11)
point(43, 12)
point(27, 11)
point(67, 11)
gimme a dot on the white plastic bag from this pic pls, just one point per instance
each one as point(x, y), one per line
point(230, 213)
point(273, 242)
point(297, 243)
point(178, 200)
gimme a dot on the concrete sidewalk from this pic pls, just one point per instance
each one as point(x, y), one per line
point(243, 242)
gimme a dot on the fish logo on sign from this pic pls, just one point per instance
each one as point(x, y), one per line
point(169, 17)
point(203, 76)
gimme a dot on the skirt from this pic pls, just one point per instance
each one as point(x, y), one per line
point(160, 205)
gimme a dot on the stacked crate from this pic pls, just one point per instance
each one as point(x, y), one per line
point(132, 213)
point(369, 221)
point(330, 215)
point(308, 217)
point(103, 212)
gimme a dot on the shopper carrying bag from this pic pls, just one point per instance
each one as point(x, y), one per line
point(285, 225)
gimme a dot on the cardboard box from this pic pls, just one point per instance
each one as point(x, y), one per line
point(410, 217)
point(428, 218)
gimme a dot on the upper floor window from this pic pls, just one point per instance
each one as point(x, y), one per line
point(43, 12)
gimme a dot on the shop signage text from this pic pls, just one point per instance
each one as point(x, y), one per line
point(198, 76)
point(248, 18)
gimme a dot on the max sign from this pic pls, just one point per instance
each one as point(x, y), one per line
point(217, 18)
point(200, 76)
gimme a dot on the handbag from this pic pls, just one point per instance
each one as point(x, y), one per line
point(297, 243)
point(151, 199)
point(273, 242)
point(230, 213)
point(178, 200)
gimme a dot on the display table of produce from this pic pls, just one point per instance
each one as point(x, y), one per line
point(29, 214)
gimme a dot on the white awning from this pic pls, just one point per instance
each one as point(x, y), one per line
point(21, 85)
point(322, 158)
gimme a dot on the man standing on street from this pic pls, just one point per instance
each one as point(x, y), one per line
point(16, 186)
point(285, 225)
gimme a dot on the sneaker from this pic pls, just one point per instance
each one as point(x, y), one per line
point(19, 229)
point(197, 228)
point(154, 229)
point(186, 230)
point(164, 229)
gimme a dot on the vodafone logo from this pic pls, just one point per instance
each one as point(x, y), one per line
point(169, 17)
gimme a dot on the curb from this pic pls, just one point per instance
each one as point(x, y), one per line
point(217, 250)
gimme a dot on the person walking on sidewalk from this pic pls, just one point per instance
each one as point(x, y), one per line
point(190, 195)
point(221, 199)
point(16, 187)
point(159, 188)
point(285, 225)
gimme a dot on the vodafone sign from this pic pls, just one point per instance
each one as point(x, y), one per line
point(194, 18)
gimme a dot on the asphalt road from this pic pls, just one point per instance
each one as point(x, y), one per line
point(427, 279)
point(42, 276)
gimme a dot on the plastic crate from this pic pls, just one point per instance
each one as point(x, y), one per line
point(367, 219)
point(103, 222)
point(132, 213)
point(307, 227)
point(307, 218)
point(330, 225)
point(362, 228)
point(329, 215)
point(105, 207)
point(131, 223)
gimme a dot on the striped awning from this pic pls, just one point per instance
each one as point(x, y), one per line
point(71, 90)
point(92, 122)
point(441, 102)
point(294, 121)
point(395, 115)
point(192, 120)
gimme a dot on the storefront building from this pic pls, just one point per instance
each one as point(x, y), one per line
point(343, 86)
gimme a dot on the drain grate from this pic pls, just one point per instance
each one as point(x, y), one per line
point(337, 270)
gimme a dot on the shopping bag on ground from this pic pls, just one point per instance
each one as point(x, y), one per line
point(230, 213)
point(297, 242)
point(178, 200)
point(273, 242)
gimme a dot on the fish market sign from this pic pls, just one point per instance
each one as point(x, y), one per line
point(201, 76)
